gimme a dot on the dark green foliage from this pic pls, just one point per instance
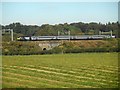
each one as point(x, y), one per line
point(22, 29)
point(82, 50)
point(75, 28)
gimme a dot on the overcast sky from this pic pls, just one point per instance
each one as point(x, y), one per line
point(37, 13)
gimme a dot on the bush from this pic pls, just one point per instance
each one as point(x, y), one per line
point(20, 48)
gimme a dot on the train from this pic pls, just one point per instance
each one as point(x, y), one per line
point(81, 37)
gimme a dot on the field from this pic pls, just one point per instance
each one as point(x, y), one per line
point(85, 70)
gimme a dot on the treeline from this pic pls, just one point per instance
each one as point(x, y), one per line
point(75, 28)
point(30, 48)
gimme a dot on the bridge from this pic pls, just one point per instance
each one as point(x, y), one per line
point(47, 45)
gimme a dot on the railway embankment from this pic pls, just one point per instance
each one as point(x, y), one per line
point(50, 47)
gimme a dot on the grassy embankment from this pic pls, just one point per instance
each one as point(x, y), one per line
point(73, 46)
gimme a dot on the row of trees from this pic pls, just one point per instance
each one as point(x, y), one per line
point(75, 28)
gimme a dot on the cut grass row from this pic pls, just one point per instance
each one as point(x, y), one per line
point(85, 72)
point(69, 77)
point(61, 71)
point(45, 79)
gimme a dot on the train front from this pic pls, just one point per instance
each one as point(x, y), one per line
point(23, 38)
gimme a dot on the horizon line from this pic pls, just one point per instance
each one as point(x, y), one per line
point(61, 23)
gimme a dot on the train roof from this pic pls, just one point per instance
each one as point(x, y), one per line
point(67, 36)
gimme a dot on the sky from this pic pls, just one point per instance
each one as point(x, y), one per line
point(38, 13)
point(60, 0)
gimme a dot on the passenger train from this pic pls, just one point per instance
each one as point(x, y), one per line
point(82, 37)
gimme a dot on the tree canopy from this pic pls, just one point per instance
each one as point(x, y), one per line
point(79, 28)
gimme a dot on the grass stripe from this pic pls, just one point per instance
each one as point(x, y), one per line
point(28, 83)
point(7, 84)
point(61, 73)
point(57, 73)
point(69, 71)
point(55, 82)
point(17, 82)
point(68, 76)
point(63, 79)
point(81, 69)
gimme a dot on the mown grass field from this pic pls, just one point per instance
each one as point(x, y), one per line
point(85, 70)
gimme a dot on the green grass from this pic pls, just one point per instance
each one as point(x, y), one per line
point(85, 70)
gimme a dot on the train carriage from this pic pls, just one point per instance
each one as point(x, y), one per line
point(83, 37)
